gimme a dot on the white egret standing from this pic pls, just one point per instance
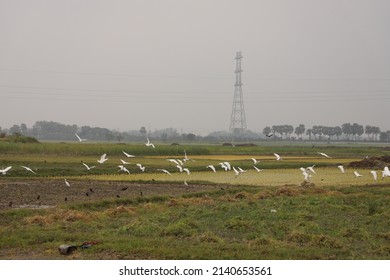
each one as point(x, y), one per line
point(386, 172)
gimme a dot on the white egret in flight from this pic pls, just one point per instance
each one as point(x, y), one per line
point(324, 155)
point(80, 139)
point(149, 144)
point(102, 159)
point(211, 167)
point(88, 167)
point(28, 169)
point(4, 171)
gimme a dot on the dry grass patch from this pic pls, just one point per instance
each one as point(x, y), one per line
point(324, 241)
point(209, 237)
point(120, 210)
point(315, 240)
point(263, 195)
point(384, 235)
point(287, 191)
point(179, 202)
point(59, 215)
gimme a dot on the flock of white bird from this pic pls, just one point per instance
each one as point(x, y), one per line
point(226, 166)
point(306, 171)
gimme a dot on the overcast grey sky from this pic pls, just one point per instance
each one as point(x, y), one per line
point(123, 64)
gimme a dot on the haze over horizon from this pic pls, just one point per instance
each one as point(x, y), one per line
point(126, 64)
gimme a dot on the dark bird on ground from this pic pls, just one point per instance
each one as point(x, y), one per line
point(38, 197)
point(117, 196)
point(66, 249)
point(87, 194)
point(91, 190)
point(66, 199)
point(125, 188)
point(140, 193)
point(10, 204)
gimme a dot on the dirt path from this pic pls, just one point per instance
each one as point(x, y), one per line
point(43, 193)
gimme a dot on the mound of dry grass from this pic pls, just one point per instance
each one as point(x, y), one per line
point(63, 215)
point(371, 162)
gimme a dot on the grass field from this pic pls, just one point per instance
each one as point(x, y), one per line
point(269, 214)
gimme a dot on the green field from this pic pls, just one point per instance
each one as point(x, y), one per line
point(271, 214)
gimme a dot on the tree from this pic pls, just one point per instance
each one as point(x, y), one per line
point(23, 128)
point(327, 130)
point(347, 129)
point(357, 130)
point(385, 136)
point(119, 137)
point(283, 130)
point(15, 129)
point(299, 130)
point(317, 130)
point(376, 131)
point(309, 132)
point(277, 129)
point(190, 136)
point(338, 132)
point(288, 130)
point(372, 131)
point(267, 130)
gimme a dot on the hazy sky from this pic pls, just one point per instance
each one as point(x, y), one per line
point(123, 64)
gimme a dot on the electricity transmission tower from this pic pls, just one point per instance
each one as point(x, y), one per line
point(237, 119)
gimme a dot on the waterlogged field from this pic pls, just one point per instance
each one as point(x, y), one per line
point(270, 214)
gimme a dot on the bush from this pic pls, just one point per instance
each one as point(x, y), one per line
point(18, 138)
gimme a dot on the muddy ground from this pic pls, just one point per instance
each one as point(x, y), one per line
point(372, 162)
point(43, 193)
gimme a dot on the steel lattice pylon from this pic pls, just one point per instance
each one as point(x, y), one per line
point(238, 120)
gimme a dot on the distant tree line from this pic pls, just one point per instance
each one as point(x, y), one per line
point(49, 130)
point(346, 131)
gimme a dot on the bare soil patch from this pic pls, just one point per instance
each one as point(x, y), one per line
point(44, 193)
point(372, 162)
